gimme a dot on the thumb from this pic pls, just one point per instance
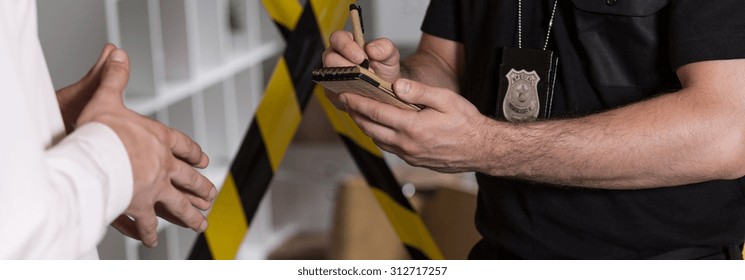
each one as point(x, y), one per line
point(418, 93)
point(115, 74)
point(95, 70)
point(109, 94)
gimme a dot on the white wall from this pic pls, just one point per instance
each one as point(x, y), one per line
point(397, 20)
point(72, 34)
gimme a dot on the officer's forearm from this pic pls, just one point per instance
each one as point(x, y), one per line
point(694, 135)
point(437, 62)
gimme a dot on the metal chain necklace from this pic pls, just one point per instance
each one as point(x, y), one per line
point(520, 24)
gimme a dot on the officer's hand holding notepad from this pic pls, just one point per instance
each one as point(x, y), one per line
point(358, 79)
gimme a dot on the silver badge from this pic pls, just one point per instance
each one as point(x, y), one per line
point(521, 100)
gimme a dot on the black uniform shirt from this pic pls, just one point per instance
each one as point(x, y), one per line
point(611, 53)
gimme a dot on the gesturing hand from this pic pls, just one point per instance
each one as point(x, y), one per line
point(165, 182)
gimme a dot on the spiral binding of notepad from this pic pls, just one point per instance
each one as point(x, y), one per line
point(356, 79)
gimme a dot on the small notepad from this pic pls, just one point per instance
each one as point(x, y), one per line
point(355, 79)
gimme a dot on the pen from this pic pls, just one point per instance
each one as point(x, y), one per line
point(358, 30)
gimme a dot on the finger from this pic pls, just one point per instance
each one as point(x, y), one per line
point(334, 59)
point(161, 211)
point(376, 111)
point(185, 177)
point(186, 149)
point(90, 81)
point(334, 98)
point(439, 99)
point(374, 130)
point(384, 52)
point(147, 227)
point(105, 52)
point(199, 202)
point(164, 213)
point(343, 42)
point(388, 148)
point(181, 145)
point(126, 226)
point(180, 207)
point(114, 75)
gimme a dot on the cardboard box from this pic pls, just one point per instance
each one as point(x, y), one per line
point(362, 231)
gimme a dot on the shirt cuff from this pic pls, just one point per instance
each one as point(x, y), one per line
point(114, 161)
point(97, 150)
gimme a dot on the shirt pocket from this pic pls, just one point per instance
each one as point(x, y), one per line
point(623, 42)
point(629, 8)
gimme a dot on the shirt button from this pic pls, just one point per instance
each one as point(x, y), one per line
point(611, 2)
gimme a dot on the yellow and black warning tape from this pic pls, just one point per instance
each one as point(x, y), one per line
point(277, 118)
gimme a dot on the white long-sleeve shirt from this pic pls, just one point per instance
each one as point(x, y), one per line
point(58, 192)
